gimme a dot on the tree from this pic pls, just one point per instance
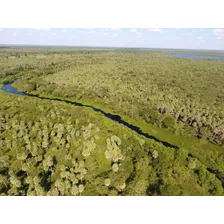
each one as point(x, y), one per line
point(155, 154)
point(107, 182)
point(115, 167)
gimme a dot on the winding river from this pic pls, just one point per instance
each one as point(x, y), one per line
point(10, 89)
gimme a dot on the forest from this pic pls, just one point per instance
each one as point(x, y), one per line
point(110, 122)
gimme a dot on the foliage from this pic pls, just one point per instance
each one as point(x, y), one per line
point(53, 148)
point(185, 96)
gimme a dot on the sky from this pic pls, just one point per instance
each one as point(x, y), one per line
point(117, 37)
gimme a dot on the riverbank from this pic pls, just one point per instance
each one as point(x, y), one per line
point(191, 145)
point(149, 168)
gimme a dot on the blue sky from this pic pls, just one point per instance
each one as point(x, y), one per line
point(117, 37)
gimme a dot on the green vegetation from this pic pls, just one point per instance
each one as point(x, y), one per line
point(54, 148)
point(183, 95)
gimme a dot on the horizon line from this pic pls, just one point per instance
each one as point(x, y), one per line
point(92, 46)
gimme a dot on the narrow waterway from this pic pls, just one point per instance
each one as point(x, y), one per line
point(10, 89)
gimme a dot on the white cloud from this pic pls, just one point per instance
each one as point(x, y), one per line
point(218, 33)
point(42, 29)
point(202, 40)
point(115, 28)
point(156, 30)
point(90, 30)
point(133, 30)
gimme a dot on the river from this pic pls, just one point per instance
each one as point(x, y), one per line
point(196, 56)
point(10, 89)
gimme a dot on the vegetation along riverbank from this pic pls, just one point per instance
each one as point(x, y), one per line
point(141, 123)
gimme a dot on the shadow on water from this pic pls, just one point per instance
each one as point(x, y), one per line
point(9, 88)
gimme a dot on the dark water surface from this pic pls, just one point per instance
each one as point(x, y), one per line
point(10, 89)
point(196, 56)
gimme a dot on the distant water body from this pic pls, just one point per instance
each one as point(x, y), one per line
point(196, 56)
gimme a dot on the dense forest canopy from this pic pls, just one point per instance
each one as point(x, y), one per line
point(52, 148)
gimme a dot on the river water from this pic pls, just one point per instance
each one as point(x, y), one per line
point(10, 89)
point(196, 56)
